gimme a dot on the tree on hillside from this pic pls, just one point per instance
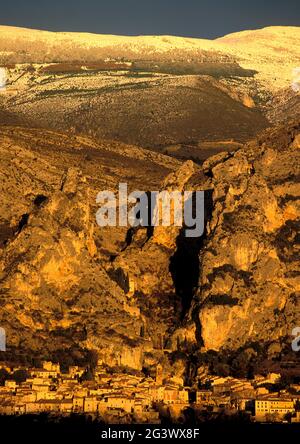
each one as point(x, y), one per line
point(87, 375)
point(3, 375)
point(20, 376)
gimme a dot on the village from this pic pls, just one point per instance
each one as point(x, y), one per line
point(123, 397)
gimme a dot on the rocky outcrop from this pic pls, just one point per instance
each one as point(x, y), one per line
point(54, 293)
point(246, 263)
point(249, 277)
point(145, 267)
point(236, 285)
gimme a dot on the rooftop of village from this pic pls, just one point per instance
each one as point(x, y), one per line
point(117, 396)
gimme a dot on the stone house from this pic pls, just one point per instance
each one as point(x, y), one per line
point(78, 404)
point(51, 367)
point(119, 401)
point(276, 408)
point(47, 405)
point(75, 371)
point(66, 405)
point(204, 397)
point(19, 409)
point(7, 408)
point(10, 384)
point(90, 405)
point(175, 396)
point(42, 373)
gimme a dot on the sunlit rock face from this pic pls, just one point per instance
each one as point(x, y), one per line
point(145, 267)
point(237, 284)
point(249, 278)
point(247, 260)
point(56, 294)
point(59, 296)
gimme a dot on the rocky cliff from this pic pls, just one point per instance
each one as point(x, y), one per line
point(249, 267)
point(235, 286)
point(57, 299)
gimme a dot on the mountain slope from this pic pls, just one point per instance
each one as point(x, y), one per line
point(258, 49)
point(153, 111)
point(168, 94)
point(235, 288)
point(273, 52)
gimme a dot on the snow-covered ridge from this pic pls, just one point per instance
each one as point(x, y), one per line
point(274, 52)
point(279, 33)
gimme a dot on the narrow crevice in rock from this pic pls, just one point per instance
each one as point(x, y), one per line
point(185, 263)
point(129, 238)
point(23, 222)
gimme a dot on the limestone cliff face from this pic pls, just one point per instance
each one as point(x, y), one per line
point(56, 295)
point(54, 292)
point(249, 268)
point(144, 267)
point(238, 284)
